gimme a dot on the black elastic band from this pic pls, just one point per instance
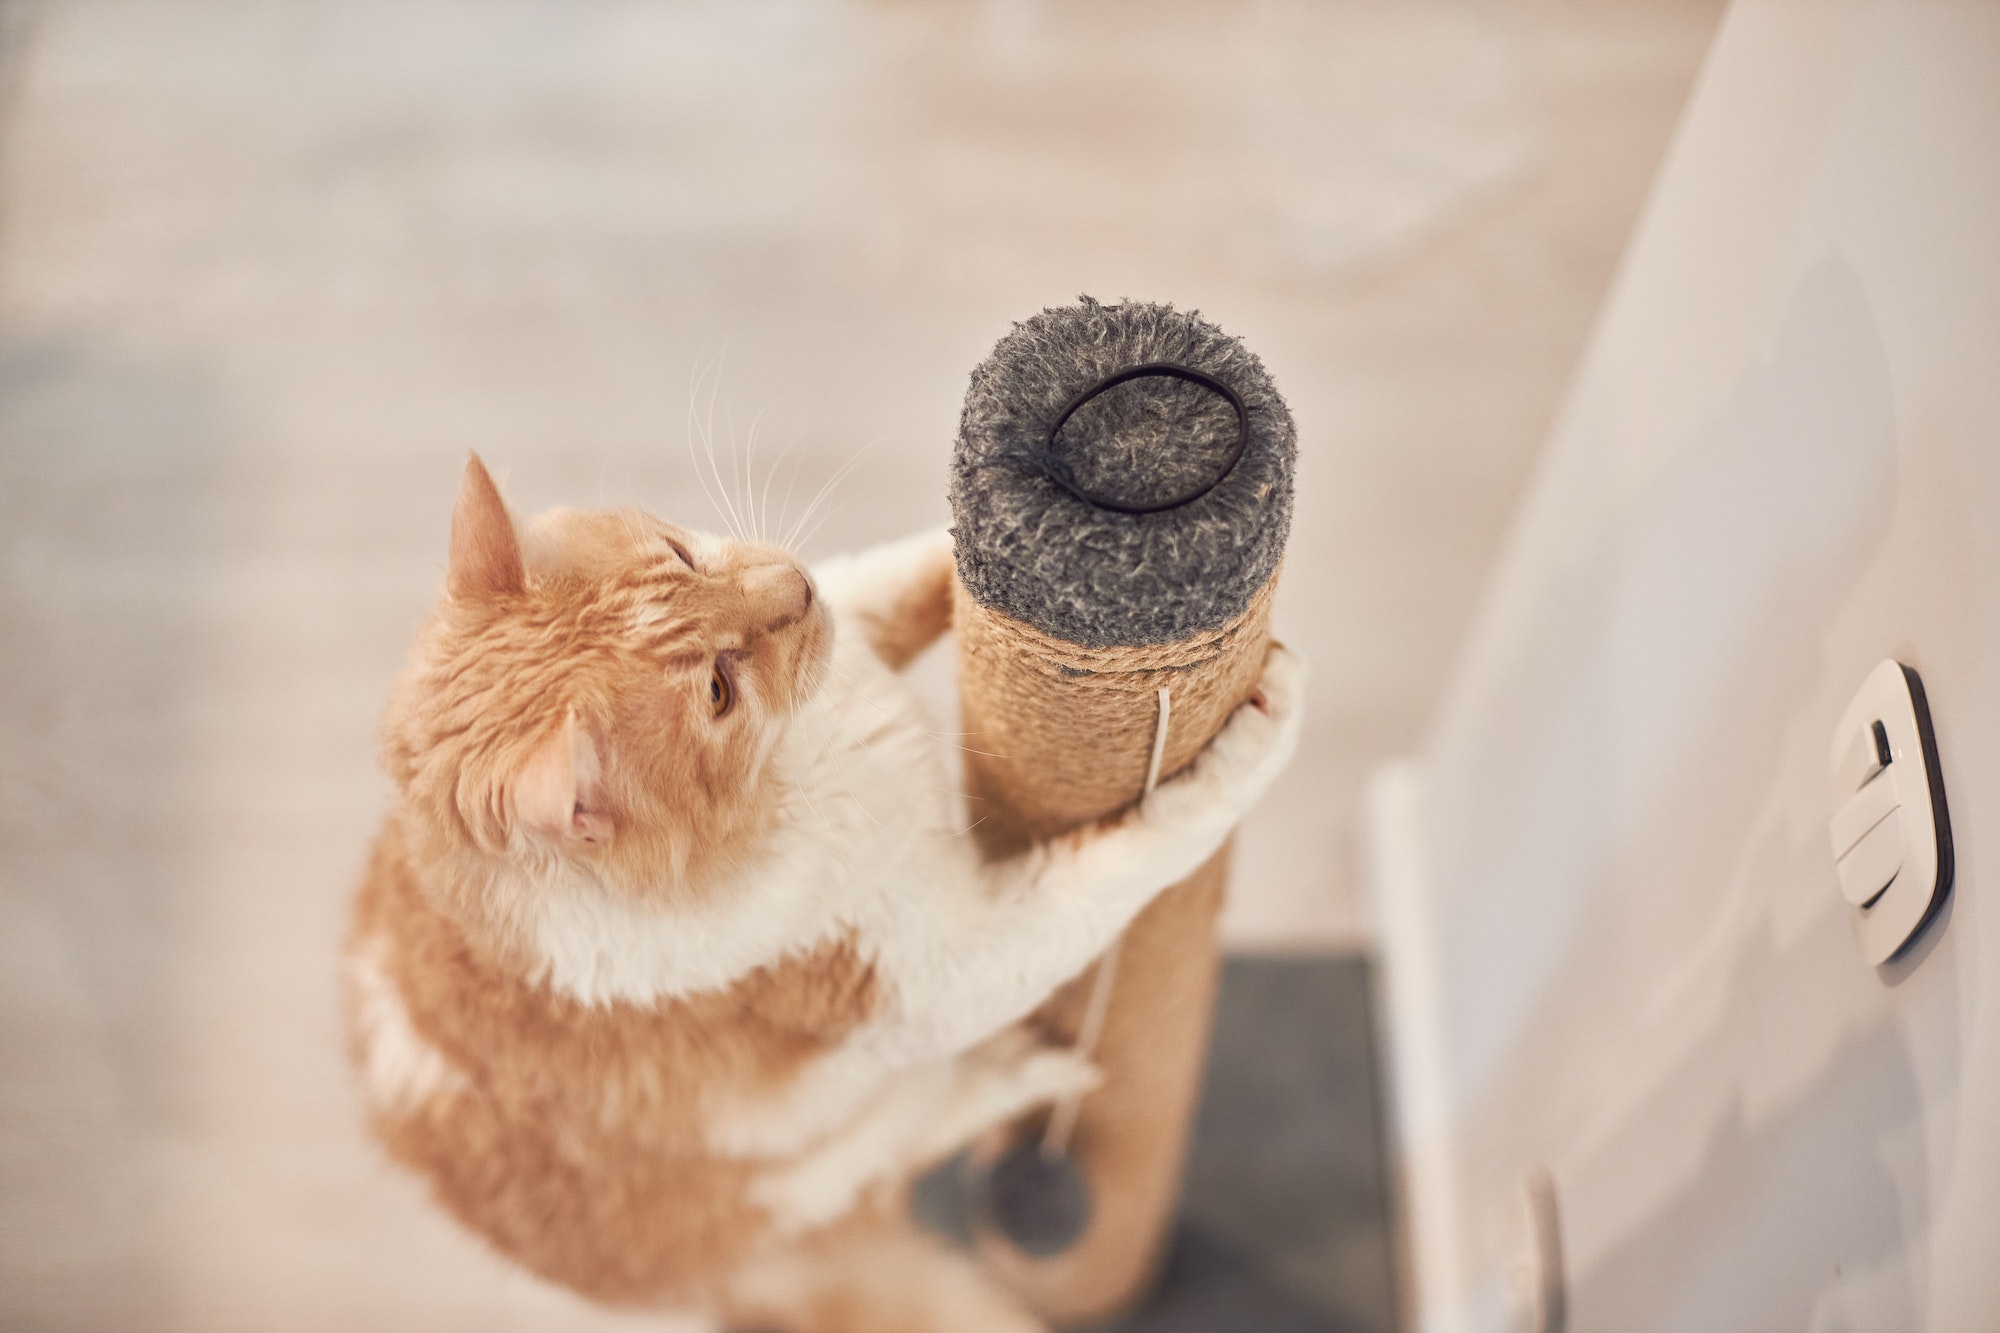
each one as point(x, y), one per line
point(1061, 473)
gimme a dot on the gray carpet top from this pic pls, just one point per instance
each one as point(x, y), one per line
point(1043, 507)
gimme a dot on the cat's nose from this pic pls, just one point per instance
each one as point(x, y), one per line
point(778, 594)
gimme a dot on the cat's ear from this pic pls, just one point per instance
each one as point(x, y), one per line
point(558, 793)
point(485, 552)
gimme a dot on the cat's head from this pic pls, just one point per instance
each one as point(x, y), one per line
point(601, 691)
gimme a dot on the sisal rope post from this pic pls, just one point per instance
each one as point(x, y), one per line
point(1103, 638)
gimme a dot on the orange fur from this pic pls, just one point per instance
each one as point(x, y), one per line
point(670, 966)
point(607, 631)
point(575, 1148)
point(561, 707)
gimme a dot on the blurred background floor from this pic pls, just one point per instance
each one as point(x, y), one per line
point(269, 269)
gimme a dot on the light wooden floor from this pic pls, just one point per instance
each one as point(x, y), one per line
point(268, 270)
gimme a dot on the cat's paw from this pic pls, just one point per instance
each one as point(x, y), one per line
point(1051, 1075)
point(897, 595)
point(1003, 1078)
point(1023, 1071)
point(1252, 748)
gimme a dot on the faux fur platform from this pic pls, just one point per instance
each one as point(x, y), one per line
point(1031, 549)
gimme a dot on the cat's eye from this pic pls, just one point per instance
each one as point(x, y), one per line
point(682, 552)
point(721, 690)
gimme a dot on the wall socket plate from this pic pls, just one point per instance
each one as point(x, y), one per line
point(1890, 833)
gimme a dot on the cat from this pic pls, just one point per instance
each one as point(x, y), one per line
point(672, 963)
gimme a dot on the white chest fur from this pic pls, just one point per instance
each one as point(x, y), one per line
point(866, 804)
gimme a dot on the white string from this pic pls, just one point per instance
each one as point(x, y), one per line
point(1159, 744)
point(1062, 1122)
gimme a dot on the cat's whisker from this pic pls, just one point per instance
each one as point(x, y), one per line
point(707, 428)
point(750, 474)
point(829, 754)
point(959, 833)
point(800, 791)
point(813, 510)
point(764, 502)
point(739, 469)
point(694, 457)
point(703, 423)
point(834, 673)
point(830, 513)
point(791, 484)
point(950, 738)
point(864, 806)
point(825, 491)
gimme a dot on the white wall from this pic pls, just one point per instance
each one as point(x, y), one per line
point(1615, 947)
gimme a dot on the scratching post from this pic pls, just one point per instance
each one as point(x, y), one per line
point(1121, 492)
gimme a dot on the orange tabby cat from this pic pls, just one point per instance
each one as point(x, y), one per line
point(671, 966)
